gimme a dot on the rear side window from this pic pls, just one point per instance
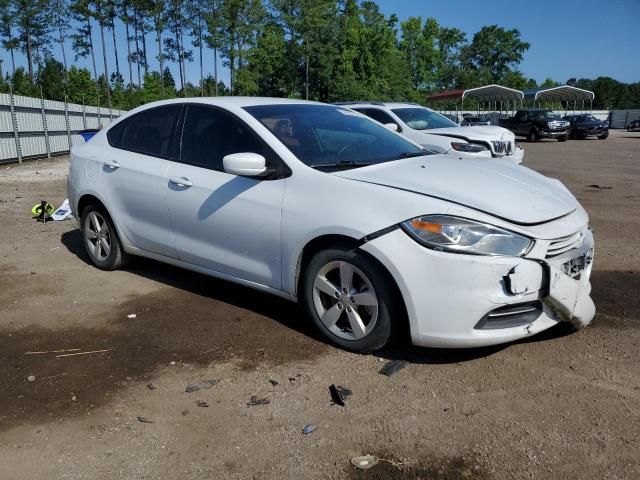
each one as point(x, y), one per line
point(151, 132)
point(209, 134)
point(378, 115)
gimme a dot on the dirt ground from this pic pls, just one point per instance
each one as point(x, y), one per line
point(560, 405)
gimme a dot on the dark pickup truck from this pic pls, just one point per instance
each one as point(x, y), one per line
point(537, 124)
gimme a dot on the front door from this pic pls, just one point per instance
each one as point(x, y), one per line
point(224, 222)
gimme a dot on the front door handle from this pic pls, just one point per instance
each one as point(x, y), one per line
point(181, 181)
point(112, 164)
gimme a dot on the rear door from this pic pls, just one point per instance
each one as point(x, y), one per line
point(134, 176)
point(224, 222)
point(521, 123)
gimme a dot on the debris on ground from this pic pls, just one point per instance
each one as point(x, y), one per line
point(151, 386)
point(339, 394)
point(201, 403)
point(273, 382)
point(31, 378)
point(194, 387)
point(83, 353)
point(132, 315)
point(253, 401)
point(53, 351)
point(307, 429)
point(364, 462)
point(601, 187)
point(144, 420)
point(392, 367)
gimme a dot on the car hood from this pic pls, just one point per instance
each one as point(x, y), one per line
point(485, 133)
point(501, 189)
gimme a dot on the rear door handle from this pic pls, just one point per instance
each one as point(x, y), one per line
point(112, 164)
point(181, 181)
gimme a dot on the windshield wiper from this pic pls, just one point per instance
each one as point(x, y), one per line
point(411, 155)
point(341, 164)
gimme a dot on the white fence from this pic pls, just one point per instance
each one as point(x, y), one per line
point(32, 127)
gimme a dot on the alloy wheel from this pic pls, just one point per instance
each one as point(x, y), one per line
point(345, 300)
point(97, 236)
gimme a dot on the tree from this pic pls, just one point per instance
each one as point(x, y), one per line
point(174, 45)
point(213, 36)
point(60, 19)
point(494, 51)
point(127, 19)
point(51, 78)
point(195, 11)
point(101, 14)
point(157, 12)
point(9, 41)
point(241, 19)
point(31, 19)
point(110, 13)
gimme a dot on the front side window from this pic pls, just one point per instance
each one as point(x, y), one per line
point(329, 137)
point(151, 132)
point(423, 119)
point(209, 134)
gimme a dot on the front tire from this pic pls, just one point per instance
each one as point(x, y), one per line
point(604, 136)
point(533, 136)
point(563, 138)
point(100, 239)
point(350, 299)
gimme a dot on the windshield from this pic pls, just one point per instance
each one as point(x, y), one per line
point(547, 114)
point(423, 119)
point(331, 138)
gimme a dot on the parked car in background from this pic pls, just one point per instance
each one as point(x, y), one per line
point(634, 126)
point(586, 125)
point(537, 124)
point(470, 121)
point(437, 133)
point(319, 204)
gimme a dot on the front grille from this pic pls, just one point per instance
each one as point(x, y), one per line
point(564, 244)
point(502, 147)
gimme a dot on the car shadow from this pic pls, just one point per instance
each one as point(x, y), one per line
point(278, 309)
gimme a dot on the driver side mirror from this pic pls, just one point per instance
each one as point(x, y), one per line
point(245, 164)
point(392, 126)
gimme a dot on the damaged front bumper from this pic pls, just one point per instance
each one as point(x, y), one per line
point(455, 300)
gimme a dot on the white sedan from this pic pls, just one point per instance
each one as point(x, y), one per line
point(319, 204)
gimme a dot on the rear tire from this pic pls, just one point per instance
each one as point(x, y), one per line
point(533, 136)
point(604, 136)
point(350, 299)
point(563, 138)
point(100, 239)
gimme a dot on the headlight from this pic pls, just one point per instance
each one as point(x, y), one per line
point(460, 235)
point(468, 147)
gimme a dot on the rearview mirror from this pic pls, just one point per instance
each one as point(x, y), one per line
point(392, 126)
point(244, 164)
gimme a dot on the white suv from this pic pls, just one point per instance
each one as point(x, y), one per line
point(436, 132)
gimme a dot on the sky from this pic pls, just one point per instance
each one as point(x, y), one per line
point(569, 38)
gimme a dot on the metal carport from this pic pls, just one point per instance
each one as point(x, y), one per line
point(563, 93)
point(488, 93)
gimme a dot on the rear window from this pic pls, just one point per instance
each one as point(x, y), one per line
point(150, 132)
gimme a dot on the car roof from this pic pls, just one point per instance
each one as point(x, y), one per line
point(233, 101)
point(373, 104)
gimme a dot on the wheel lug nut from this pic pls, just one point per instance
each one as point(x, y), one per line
point(339, 306)
point(337, 294)
point(348, 309)
point(344, 290)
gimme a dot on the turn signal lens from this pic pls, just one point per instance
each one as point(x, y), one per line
point(426, 226)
